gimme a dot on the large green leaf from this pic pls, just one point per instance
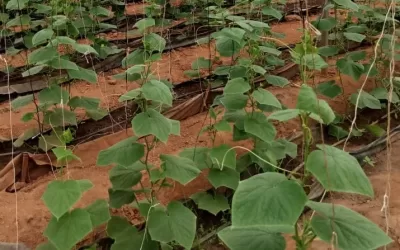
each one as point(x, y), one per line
point(120, 197)
point(41, 55)
point(16, 4)
point(199, 155)
point(354, 37)
point(265, 97)
point(348, 4)
point(157, 91)
point(60, 117)
point(236, 86)
point(96, 114)
point(353, 231)
point(177, 224)
point(366, 100)
point(60, 196)
point(277, 80)
point(33, 71)
point(85, 49)
point(223, 154)
point(350, 68)
point(83, 74)
point(124, 177)
point(338, 171)
point(284, 115)
point(267, 199)
point(227, 47)
point(181, 169)
point(201, 63)
point(60, 63)
point(254, 238)
point(19, 21)
point(213, 204)
point(152, 122)
point(99, 212)
point(329, 89)
point(269, 11)
point(21, 101)
point(42, 36)
point(124, 153)
point(153, 42)
point(234, 102)
point(68, 230)
point(258, 125)
point(145, 23)
point(84, 102)
point(227, 177)
point(53, 95)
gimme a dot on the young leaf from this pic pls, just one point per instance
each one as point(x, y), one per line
point(265, 97)
point(267, 199)
point(124, 177)
point(258, 125)
point(153, 42)
point(255, 238)
point(64, 155)
point(99, 212)
point(351, 68)
point(60, 196)
point(178, 224)
point(179, 169)
point(157, 91)
point(130, 95)
point(338, 171)
point(329, 89)
point(353, 231)
point(42, 36)
point(210, 203)
point(152, 122)
point(68, 230)
point(145, 23)
point(124, 153)
point(227, 177)
point(236, 86)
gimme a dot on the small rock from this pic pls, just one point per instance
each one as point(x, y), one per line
point(290, 18)
point(112, 82)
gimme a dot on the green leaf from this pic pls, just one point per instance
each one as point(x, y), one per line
point(124, 177)
point(68, 230)
point(41, 55)
point(124, 153)
point(366, 100)
point(284, 115)
point(96, 114)
point(353, 231)
point(383, 94)
point(33, 71)
point(270, 50)
point(46, 246)
point(151, 122)
point(177, 223)
point(338, 171)
point(254, 238)
point(84, 102)
point(277, 80)
point(199, 155)
point(227, 177)
point(236, 86)
point(16, 4)
point(83, 74)
point(201, 63)
point(234, 102)
point(64, 155)
point(60, 63)
point(21, 101)
point(28, 134)
point(136, 57)
point(157, 91)
point(376, 130)
point(258, 125)
point(222, 126)
point(60, 117)
point(267, 199)
point(19, 21)
point(265, 97)
point(357, 55)
point(60, 196)
point(180, 169)
point(354, 37)
point(28, 117)
point(62, 40)
point(269, 11)
point(130, 95)
point(329, 89)
point(42, 36)
point(145, 23)
point(227, 47)
point(47, 142)
point(99, 212)
point(120, 197)
point(53, 95)
point(348, 4)
point(307, 99)
point(223, 154)
point(85, 49)
point(210, 203)
point(100, 11)
point(337, 132)
point(328, 51)
point(351, 68)
point(313, 62)
point(325, 24)
point(153, 42)
point(258, 69)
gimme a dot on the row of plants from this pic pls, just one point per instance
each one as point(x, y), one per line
point(266, 205)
